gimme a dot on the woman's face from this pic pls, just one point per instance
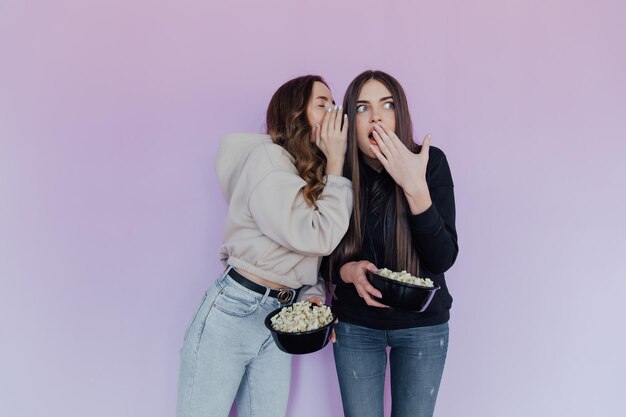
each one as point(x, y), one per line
point(321, 99)
point(374, 105)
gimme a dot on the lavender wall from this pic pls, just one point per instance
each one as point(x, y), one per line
point(110, 216)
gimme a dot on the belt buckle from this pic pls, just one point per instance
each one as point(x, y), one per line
point(285, 295)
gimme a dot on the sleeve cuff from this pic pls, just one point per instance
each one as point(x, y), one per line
point(426, 222)
point(338, 180)
point(307, 291)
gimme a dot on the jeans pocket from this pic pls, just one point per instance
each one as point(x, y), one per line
point(195, 315)
point(235, 303)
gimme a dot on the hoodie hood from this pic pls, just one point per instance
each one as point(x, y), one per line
point(231, 157)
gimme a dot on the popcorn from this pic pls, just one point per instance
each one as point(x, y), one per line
point(406, 277)
point(302, 317)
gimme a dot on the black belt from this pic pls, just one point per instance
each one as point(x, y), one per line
point(284, 295)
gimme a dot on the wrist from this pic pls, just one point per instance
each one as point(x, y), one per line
point(334, 167)
point(419, 202)
point(417, 189)
point(343, 275)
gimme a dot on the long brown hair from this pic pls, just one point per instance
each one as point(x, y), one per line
point(399, 251)
point(289, 127)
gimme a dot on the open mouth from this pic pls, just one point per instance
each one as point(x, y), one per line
point(370, 135)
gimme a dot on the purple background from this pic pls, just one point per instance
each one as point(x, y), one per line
point(110, 215)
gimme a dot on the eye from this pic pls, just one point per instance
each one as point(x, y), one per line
point(389, 105)
point(361, 108)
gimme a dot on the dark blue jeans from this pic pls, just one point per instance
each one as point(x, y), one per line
point(417, 358)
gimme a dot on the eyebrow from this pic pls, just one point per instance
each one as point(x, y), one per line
point(382, 99)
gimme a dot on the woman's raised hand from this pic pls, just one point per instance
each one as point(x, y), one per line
point(332, 139)
point(407, 169)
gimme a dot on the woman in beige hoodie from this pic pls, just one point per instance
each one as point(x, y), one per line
point(289, 205)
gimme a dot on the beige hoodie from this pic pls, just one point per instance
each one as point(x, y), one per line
point(271, 231)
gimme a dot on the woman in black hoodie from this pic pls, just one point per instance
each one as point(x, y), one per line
point(403, 219)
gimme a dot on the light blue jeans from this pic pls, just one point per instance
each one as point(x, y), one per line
point(417, 358)
point(229, 355)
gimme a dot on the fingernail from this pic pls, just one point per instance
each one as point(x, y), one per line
point(340, 107)
point(330, 109)
point(345, 116)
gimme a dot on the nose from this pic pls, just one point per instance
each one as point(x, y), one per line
point(376, 117)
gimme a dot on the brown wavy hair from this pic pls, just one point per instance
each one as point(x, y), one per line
point(289, 127)
point(400, 254)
